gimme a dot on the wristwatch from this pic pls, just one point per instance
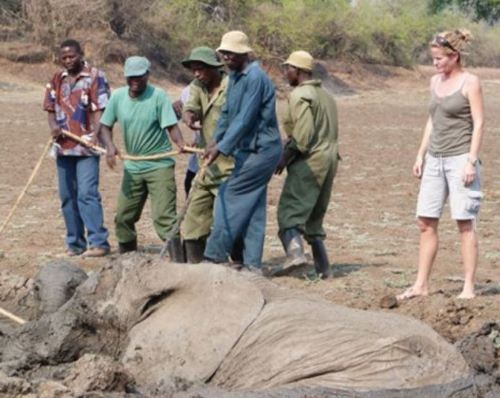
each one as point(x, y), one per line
point(473, 162)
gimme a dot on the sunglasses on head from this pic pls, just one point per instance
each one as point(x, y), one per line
point(443, 42)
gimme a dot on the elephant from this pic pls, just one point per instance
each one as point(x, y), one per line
point(238, 334)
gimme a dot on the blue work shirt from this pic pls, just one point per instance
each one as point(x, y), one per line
point(248, 120)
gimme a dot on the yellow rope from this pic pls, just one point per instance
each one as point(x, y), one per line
point(149, 157)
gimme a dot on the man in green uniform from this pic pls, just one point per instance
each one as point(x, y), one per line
point(310, 156)
point(145, 115)
point(206, 97)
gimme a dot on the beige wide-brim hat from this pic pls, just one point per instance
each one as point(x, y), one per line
point(300, 59)
point(235, 42)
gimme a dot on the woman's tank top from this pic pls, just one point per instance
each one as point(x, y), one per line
point(451, 123)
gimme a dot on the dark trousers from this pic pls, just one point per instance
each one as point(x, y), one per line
point(240, 207)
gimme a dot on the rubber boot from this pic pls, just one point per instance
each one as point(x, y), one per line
point(127, 247)
point(294, 248)
point(176, 250)
point(321, 262)
point(237, 253)
point(194, 249)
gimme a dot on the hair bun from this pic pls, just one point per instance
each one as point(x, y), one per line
point(465, 35)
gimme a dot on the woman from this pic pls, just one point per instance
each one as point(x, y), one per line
point(447, 160)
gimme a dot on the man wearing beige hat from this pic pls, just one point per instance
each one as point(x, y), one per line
point(248, 131)
point(310, 156)
point(207, 95)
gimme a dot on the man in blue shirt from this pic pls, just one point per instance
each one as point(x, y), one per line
point(247, 130)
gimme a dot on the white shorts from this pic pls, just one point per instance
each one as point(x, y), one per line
point(442, 177)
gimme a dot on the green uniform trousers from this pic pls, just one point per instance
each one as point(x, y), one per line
point(304, 200)
point(159, 184)
point(198, 220)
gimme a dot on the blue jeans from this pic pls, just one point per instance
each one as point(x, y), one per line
point(240, 207)
point(81, 202)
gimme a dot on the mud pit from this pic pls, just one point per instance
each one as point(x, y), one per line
point(149, 327)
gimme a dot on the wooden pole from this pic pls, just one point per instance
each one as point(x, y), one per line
point(83, 141)
point(131, 157)
point(30, 180)
point(12, 317)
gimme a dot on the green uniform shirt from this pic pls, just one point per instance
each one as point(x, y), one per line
point(143, 121)
point(208, 110)
point(311, 123)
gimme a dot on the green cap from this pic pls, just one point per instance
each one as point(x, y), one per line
point(202, 54)
point(136, 66)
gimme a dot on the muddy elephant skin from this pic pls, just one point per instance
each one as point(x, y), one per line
point(55, 284)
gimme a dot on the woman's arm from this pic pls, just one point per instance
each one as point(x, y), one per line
point(475, 96)
point(422, 150)
point(419, 161)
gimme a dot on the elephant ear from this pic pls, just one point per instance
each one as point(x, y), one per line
point(301, 341)
point(186, 319)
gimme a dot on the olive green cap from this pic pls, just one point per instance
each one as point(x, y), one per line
point(204, 55)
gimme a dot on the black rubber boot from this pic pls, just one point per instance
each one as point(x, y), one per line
point(294, 248)
point(176, 250)
point(321, 262)
point(127, 247)
point(194, 249)
point(237, 252)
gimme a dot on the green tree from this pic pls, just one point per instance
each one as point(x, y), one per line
point(485, 10)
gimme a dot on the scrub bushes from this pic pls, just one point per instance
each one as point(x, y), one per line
point(371, 31)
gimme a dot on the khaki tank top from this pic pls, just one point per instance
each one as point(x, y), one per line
point(451, 123)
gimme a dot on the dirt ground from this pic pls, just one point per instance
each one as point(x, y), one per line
point(372, 235)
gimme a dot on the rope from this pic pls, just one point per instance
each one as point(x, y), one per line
point(150, 157)
point(30, 180)
point(130, 157)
